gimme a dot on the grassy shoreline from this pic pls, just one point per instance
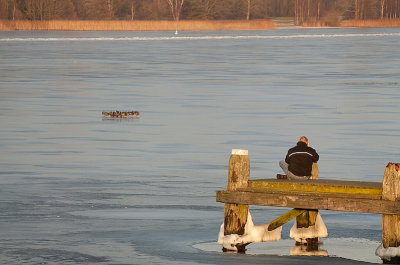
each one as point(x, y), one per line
point(378, 23)
point(183, 25)
point(371, 23)
point(138, 25)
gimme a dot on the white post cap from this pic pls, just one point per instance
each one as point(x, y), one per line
point(240, 152)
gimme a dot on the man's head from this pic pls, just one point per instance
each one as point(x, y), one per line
point(303, 139)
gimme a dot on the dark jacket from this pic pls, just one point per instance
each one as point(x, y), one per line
point(300, 159)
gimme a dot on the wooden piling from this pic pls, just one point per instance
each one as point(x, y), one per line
point(391, 222)
point(307, 197)
point(314, 171)
point(305, 220)
point(308, 218)
point(238, 176)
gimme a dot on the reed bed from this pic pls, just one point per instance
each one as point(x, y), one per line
point(376, 23)
point(138, 25)
point(184, 25)
point(315, 24)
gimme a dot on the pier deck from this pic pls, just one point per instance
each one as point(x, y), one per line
point(347, 196)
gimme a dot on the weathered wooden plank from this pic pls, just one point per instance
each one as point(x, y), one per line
point(311, 202)
point(236, 213)
point(333, 186)
point(283, 219)
point(314, 193)
point(391, 192)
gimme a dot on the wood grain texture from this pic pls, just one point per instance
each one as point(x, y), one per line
point(391, 192)
point(283, 219)
point(334, 202)
point(235, 214)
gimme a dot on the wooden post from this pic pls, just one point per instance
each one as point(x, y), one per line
point(308, 218)
point(238, 176)
point(314, 171)
point(391, 222)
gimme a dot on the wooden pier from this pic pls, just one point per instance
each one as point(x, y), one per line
point(306, 197)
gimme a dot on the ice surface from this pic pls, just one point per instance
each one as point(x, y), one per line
point(317, 230)
point(252, 233)
point(332, 247)
point(76, 186)
point(174, 38)
point(301, 250)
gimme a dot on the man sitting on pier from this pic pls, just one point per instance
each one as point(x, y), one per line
point(299, 161)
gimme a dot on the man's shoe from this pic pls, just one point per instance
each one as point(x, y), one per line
point(279, 176)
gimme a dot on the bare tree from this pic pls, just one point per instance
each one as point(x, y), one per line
point(7, 9)
point(261, 9)
point(110, 4)
point(392, 9)
point(301, 10)
point(97, 9)
point(176, 7)
point(153, 9)
point(208, 5)
point(133, 8)
point(248, 8)
point(220, 9)
point(344, 7)
point(255, 8)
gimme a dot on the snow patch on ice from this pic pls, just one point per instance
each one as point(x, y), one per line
point(252, 233)
point(317, 230)
point(387, 253)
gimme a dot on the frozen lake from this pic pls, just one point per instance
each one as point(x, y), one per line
point(78, 187)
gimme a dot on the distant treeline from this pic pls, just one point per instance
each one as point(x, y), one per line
point(302, 10)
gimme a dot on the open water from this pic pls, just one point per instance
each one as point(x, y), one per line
point(77, 187)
